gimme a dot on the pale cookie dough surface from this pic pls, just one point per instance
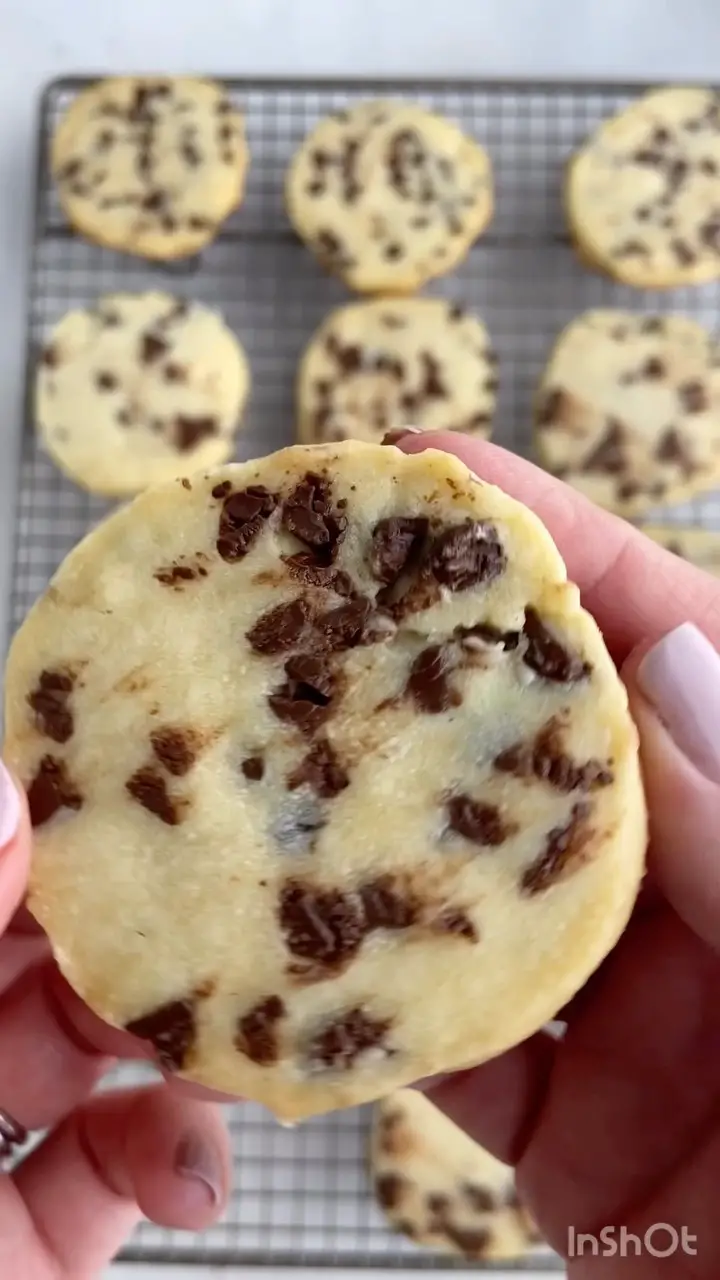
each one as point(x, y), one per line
point(440, 1188)
point(373, 367)
point(700, 547)
point(151, 166)
point(642, 193)
point(388, 195)
point(334, 783)
point(138, 389)
point(628, 409)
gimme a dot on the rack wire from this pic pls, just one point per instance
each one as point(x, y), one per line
point(301, 1197)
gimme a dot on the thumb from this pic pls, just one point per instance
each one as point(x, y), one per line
point(14, 846)
point(674, 690)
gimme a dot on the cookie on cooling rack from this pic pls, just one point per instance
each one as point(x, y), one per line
point(440, 1188)
point(388, 195)
point(326, 756)
point(628, 409)
point(150, 166)
point(138, 389)
point(700, 547)
point(642, 193)
point(377, 366)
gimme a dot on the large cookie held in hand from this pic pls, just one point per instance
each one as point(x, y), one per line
point(388, 195)
point(333, 781)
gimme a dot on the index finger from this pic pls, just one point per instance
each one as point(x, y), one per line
point(635, 589)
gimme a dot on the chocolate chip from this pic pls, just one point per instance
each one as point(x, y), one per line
point(254, 768)
point(222, 490)
point(175, 372)
point(428, 682)
point(152, 347)
point(653, 369)
point(49, 700)
point(709, 233)
point(320, 770)
point(632, 249)
point(69, 170)
point(472, 1242)
point(672, 448)
point(652, 324)
point(172, 1031)
point(330, 248)
point(257, 1031)
point(385, 907)
point(345, 626)
point(304, 699)
point(481, 1198)
point(190, 431)
point(280, 628)
point(50, 356)
point(480, 822)
point(175, 748)
point(390, 1189)
point(106, 381)
point(693, 397)
point(348, 356)
point(241, 521)
point(553, 408)
point(148, 786)
point(545, 654)
point(308, 513)
point(393, 252)
point(175, 574)
point(457, 922)
point(327, 927)
point(51, 789)
point(433, 387)
point(396, 545)
point(197, 223)
point(708, 166)
point(684, 254)
point(191, 154)
point(609, 456)
point(628, 490)
point(653, 159)
point(104, 140)
point(564, 845)
point(339, 1044)
point(464, 555)
point(154, 201)
point(546, 759)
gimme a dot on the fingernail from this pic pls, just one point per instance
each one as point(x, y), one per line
point(9, 807)
point(398, 433)
point(198, 1161)
point(680, 676)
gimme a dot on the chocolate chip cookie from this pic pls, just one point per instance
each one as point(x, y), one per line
point(700, 547)
point(628, 409)
point(377, 366)
point(642, 193)
point(150, 166)
point(333, 781)
point(440, 1188)
point(138, 389)
point(388, 195)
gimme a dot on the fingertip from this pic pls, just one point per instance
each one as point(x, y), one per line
point(180, 1158)
point(14, 845)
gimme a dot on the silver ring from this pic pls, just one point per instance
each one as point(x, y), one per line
point(12, 1137)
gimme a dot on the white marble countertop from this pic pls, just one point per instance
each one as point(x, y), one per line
point(619, 39)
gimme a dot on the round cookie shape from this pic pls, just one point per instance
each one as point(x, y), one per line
point(388, 195)
point(440, 1188)
point(642, 193)
point(150, 166)
point(138, 389)
point(334, 770)
point(700, 547)
point(628, 409)
point(377, 366)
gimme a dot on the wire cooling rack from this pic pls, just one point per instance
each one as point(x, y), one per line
point(301, 1196)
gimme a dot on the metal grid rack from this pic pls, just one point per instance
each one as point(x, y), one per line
point(301, 1196)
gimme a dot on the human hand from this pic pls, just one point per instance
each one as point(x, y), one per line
point(618, 1125)
point(157, 1151)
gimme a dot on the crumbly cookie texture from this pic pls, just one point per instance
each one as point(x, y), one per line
point(150, 166)
point(440, 1188)
point(333, 781)
point(138, 389)
point(378, 366)
point(388, 195)
point(642, 192)
point(628, 409)
point(700, 547)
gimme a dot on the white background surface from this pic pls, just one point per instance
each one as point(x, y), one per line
point(647, 39)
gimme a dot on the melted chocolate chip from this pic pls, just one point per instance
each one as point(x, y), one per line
point(684, 254)
point(257, 1031)
point(480, 822)
point(304, 700)
point(221, 490)
point(50, 356)
point(175, 748)
point(709, 233)
point(390, 1190)
point(396, 546)
point(545, 654)
point(254, 768)
point(339, 1044)
point(465, 555)
point(428, 682)
point(608, 457)
point(672, 448)
point(241, 521)
point(653, 369)
point(327, 927)
point(106, 381)
point(481, 1198)
point(308, 513)
point(385, 907)
point(280, 628)
point(545, 758)
point(320, 770)
point(472, 1242)
point(564, 845)
point(148, 786)
point(344, 626)
point(632, 249)
point(176, 574)
point(189, 431)
point(50, 790)
point(457, 922)
point(693, 396)
point(171, 1029)
point(49, 700)
point(152, 348)
point(553, 408)
point(191, 154)
point(175, 372)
